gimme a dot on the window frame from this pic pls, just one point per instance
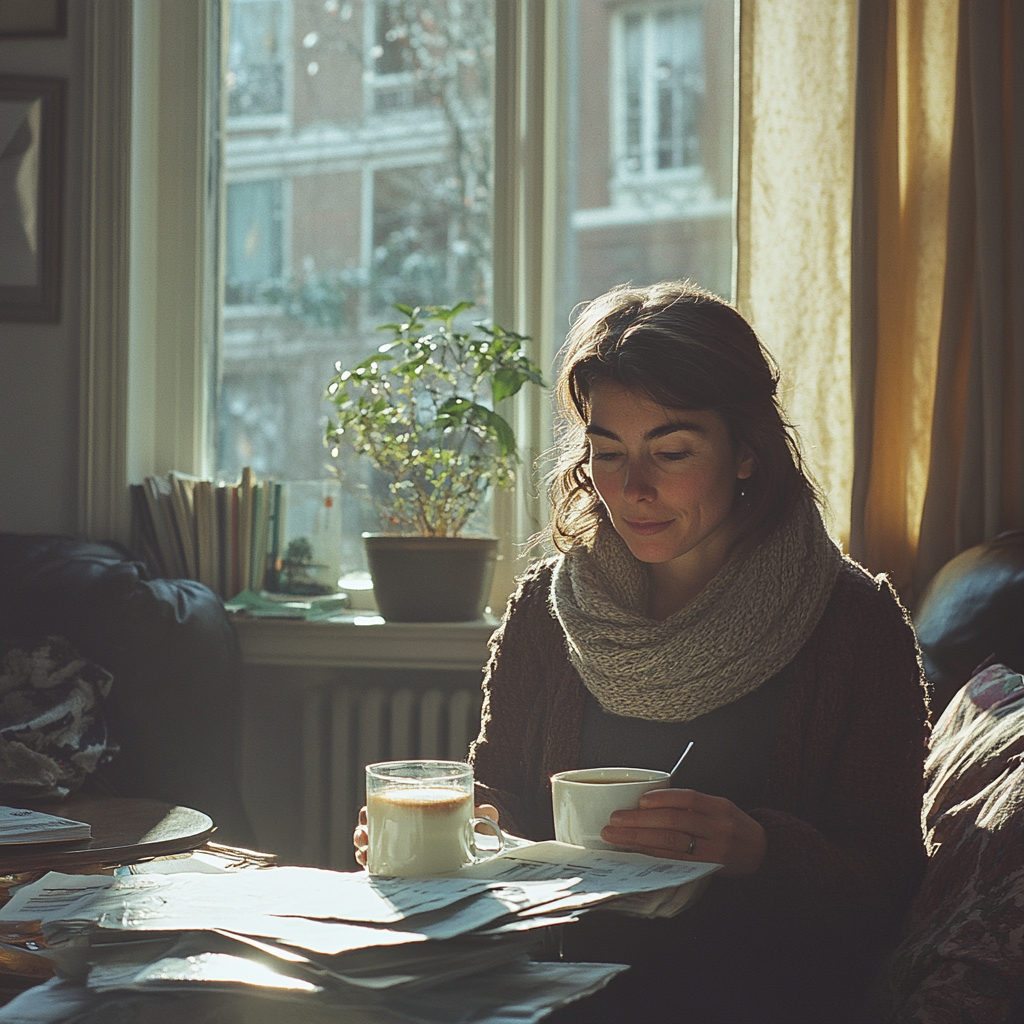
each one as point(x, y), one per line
point(152, 232)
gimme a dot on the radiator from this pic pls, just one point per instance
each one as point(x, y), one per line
point(348, 727)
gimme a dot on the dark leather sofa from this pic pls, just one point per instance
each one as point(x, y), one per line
point(174, 705)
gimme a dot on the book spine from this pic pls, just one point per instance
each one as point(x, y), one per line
point(144, 541)
point(274, 554)
point(167, 532)
point(183, 510)
point(262, 536)
point(282, 523)
point(221, 501)
point(236, 571)
point(206, 532)
point(257, 500)
point(245, 503)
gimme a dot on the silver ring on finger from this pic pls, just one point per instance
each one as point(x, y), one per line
point(692, 846)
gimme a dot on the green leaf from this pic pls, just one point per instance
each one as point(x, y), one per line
point(453, 413)
point(502, 429)
point(506, 382)
point(445, 314)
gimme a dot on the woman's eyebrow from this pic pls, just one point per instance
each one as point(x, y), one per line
point(671, 428)
point(652, 435)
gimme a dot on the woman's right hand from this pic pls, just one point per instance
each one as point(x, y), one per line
point(361, 839)
point(361, 836)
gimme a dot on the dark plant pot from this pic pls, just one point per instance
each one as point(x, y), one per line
point(431, 579)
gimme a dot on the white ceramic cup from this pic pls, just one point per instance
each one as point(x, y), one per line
point(583, 800)
point(419, 815)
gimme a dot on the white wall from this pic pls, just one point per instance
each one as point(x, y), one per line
point(39, 371)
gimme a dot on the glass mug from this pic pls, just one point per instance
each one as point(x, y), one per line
point(419, 816)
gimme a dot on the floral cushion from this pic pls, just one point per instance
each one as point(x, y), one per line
point(52, 732)
point(962, 960)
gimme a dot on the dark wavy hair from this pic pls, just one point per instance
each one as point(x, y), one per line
point(683, 348)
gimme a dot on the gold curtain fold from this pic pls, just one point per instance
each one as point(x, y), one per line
point(976, 472)
point(937, 279)
point(906, 64)
point(796, 128)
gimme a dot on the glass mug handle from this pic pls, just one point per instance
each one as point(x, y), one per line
point(479, 858)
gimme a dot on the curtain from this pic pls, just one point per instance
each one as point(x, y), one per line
point(937, 283)
point(906, 61)
point(976, 472)
point(795, 188)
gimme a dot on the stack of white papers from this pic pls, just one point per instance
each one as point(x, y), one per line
point(395, 951)
point(20, 825)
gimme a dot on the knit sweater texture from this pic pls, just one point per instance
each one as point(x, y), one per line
point(842, 798)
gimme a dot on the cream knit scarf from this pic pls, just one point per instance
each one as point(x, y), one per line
point(742, 628)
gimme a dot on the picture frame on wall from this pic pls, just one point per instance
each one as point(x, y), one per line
point(35, 19)
point(31, 190)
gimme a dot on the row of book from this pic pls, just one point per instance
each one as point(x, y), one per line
point(227, 536)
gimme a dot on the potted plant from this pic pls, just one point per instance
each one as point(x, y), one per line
point(423, 409)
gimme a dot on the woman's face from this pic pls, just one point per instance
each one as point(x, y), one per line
point(666, 476)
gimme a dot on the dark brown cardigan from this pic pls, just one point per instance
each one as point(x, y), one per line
point(842, 800)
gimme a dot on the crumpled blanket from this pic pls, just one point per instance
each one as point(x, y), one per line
point(52, 731)
point(962, 958)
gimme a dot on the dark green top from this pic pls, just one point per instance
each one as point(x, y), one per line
point(731, 745)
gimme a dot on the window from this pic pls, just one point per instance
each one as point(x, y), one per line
point(660, 86)
point(649, 164)
point(254, 249)
point(394, 84)
point(565, 225)
point(257, 75)
point(375, 185)
point(375, 188)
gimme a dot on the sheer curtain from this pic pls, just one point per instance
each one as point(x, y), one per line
point(881, 256)
point(795, 194)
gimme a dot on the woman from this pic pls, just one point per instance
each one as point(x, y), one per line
point(698, 597)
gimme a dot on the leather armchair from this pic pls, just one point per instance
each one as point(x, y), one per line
point(174, 704)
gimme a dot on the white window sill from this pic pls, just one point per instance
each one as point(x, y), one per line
point(364, 640)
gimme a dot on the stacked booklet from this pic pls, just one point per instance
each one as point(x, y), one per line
point(329, 945)
point(227, 536)
point(20, 825)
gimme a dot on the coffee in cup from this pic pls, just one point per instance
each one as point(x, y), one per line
point(419, 817)
point(583, 800)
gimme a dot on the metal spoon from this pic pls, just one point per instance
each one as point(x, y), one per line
point(671, 774)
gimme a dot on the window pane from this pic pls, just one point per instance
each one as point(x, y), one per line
point(253, 245)
point(633, 98)
point(679, 74)
point(256, 59)
point(371, 186)
point(650, 173)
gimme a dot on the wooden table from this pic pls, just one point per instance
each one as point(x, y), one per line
point(124, 830)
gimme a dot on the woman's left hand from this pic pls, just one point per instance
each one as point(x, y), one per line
point(686, 825)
